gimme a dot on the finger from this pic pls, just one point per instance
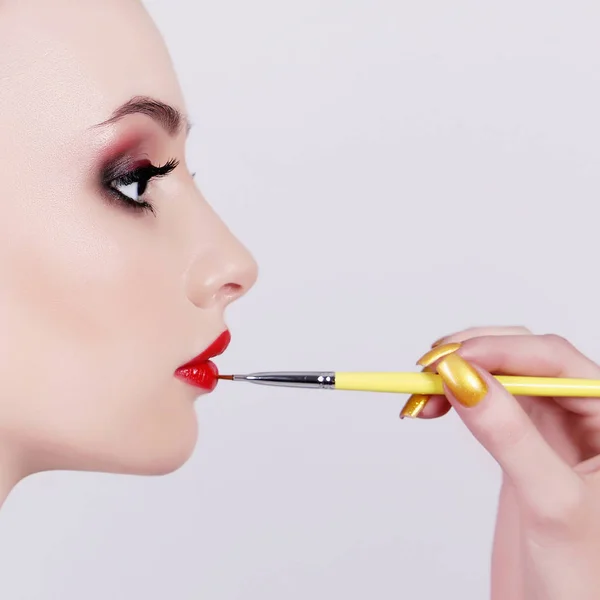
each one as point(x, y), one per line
point(537, 356)
point(542, 480)
point(471, 332)
point(427, 407)
point(436, 406)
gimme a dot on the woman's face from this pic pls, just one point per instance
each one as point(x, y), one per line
point(108, 281)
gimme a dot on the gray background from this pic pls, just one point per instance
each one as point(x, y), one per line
point(400, 170)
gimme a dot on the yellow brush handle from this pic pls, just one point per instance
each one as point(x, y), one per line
point(431, 383)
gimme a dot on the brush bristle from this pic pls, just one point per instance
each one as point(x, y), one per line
point(227, 377)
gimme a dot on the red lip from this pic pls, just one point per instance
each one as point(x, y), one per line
point(200, 371)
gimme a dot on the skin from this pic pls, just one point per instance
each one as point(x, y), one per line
point(99, 304)
point(547, 541)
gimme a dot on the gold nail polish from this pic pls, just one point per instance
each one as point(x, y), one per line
point(462, 379)
point(416, 403)
point(436, 353)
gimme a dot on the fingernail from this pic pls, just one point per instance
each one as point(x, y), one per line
point(436, 353)
point(438, 341)
point(462, 379)
point(415, 404)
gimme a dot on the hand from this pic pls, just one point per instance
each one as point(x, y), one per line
point(547, 540)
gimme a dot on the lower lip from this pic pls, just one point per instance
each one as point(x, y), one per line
point(203, 375)
point(201, 372)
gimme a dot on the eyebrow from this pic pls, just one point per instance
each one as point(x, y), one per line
point(167, 116)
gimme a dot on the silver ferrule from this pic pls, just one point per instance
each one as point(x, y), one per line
point(300, 379)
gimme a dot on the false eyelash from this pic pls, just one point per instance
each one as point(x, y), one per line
point(123, 173)
point(121, 169)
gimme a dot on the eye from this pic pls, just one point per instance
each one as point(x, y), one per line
point(132, 186)
point(134, 191)
point(128, 183)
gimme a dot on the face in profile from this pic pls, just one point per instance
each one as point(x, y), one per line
point(114, 270)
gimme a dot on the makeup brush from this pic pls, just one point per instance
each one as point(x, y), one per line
point(415, 383)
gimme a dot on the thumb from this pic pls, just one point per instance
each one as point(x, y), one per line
point(543, 481)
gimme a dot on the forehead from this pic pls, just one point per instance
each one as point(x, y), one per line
point(73, 63)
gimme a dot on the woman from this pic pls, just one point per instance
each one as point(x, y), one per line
point(116, 273)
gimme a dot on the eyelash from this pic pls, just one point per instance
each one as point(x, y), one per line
point(122, 173)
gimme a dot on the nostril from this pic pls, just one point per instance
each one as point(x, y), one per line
point(230, 291)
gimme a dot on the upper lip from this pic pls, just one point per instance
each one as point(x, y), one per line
point(218, 346)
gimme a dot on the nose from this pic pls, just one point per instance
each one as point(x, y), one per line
point(221, 273)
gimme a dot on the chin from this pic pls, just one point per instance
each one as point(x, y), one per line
point(157, 445)
point(167, 452)
point(134, 434)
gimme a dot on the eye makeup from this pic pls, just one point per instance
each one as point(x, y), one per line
point(125, 180)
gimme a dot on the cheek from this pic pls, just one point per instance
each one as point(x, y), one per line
point(92, 315)
point(90, 282)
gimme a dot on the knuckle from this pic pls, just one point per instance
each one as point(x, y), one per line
point(567, 359)
point(558, 341)
point(557, 514)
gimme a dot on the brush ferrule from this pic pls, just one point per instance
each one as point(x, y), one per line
point(300, 379)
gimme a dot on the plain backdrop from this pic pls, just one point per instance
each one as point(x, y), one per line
point(400, 170)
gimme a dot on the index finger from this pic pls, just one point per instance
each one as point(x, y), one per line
point(536, 355)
